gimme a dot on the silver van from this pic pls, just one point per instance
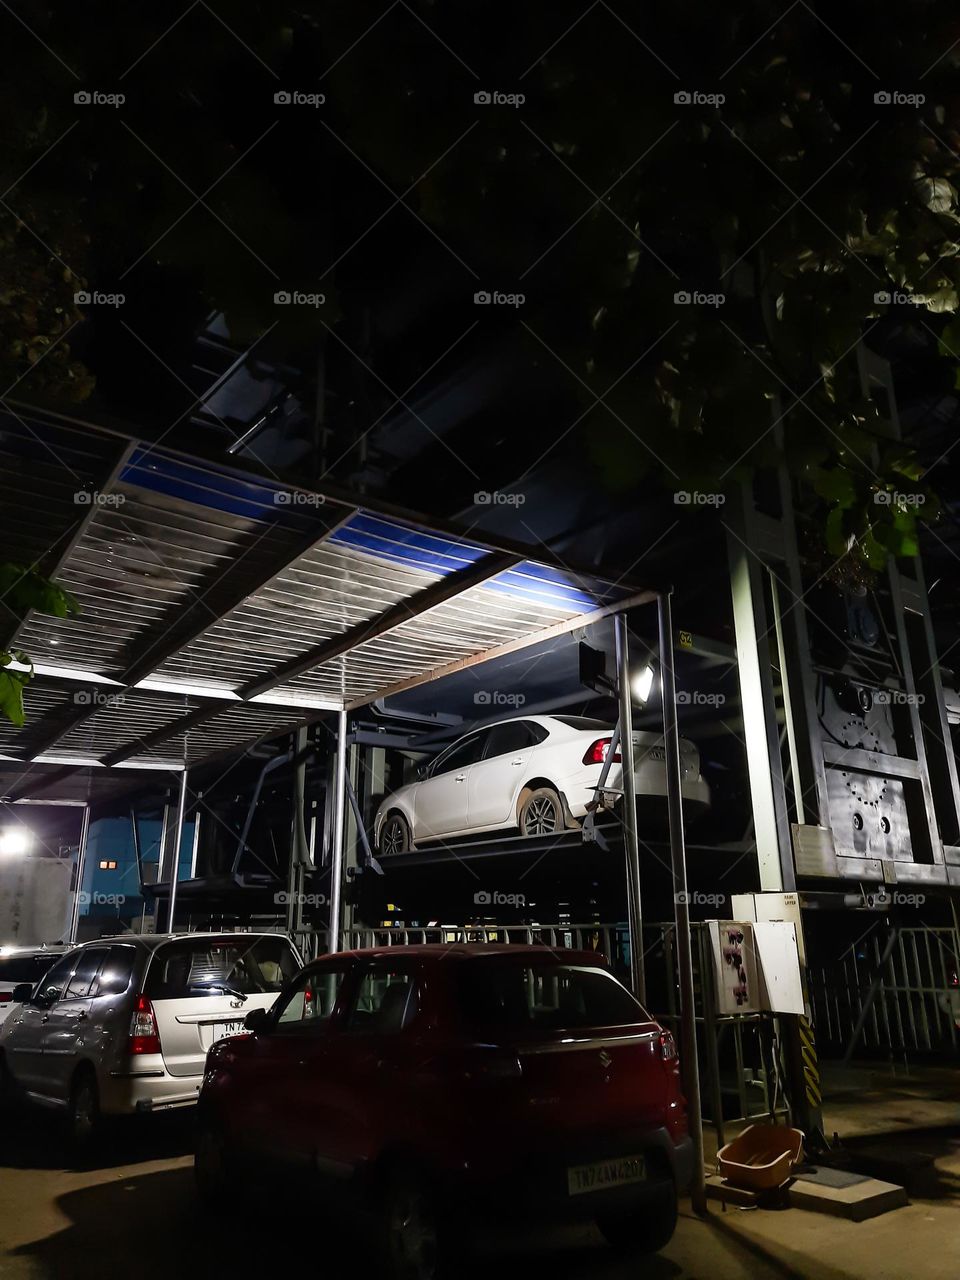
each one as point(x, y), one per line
point(123, 1025)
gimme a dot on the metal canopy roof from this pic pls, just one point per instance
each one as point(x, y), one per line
point(220, 607)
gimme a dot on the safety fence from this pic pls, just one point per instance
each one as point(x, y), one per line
point(900, 988)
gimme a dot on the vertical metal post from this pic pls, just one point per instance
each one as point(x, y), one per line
point(630, 839)
point(336, 843)
point(81, 865)
point(688, 1012)
point(175, 855)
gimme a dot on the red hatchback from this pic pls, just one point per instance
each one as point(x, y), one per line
point(429, 1080)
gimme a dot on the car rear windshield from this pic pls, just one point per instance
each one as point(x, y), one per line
point(517, 997)
point(25, 968)
point(214, 967)
point(582, 722)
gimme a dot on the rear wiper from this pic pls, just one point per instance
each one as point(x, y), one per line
point(231, 991)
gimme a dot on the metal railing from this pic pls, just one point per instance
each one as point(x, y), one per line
point(901, 987)
point(608, 940)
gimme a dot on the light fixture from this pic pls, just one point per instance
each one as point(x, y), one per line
point(643, 683)
point(15, 840)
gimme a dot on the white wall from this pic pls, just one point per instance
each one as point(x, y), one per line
point(35, 900)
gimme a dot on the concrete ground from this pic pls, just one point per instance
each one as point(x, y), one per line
point(133, 1210)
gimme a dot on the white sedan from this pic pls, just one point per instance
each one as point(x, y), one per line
point(535, 773)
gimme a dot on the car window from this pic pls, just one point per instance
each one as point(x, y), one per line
point(311, 1001)
point(548, 996)
point(386, 1001)
point(55, 981)
point(117, 971)
point(515, 735)
point(459, 756)
point(82, 982)
point(189, 968)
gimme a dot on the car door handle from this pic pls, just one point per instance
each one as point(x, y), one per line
point(461, 777)
point(519, 760)
point(45, 1018)
point(81, 1015)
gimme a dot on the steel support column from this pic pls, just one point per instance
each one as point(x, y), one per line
point(678, 859)
point(175, 856)
point(631, 841)
point(81, 864)
point(337, 835)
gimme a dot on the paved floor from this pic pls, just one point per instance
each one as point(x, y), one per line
point(133, 1211)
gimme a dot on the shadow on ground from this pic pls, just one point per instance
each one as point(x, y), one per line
point(152, 1221)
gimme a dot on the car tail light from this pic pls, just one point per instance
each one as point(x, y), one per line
point(597, 752)
point(144, 1032)
point(6, 997)
point(668, 1047)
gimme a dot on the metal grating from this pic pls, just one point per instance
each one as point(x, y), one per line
point(134, 568)
point(196, 575)
point(41, 475)
point(240, 725)
point(327, 591)
point(480, 619)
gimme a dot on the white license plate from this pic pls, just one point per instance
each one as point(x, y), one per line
point(221, 1029)
point(604, 1174)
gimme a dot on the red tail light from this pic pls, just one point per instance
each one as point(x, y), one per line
point(597, 752)
point(144, 1032)
point(668, 1047)
point(6, 997)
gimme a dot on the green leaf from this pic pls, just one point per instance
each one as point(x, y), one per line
point(836, 485)
point(11, 696)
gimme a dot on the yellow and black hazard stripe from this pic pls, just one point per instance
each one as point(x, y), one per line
point(811, 1064)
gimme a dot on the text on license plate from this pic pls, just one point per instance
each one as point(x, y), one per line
point(221, 1029)
point(605, 1173)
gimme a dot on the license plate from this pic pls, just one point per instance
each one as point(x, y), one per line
point(222, 1029)
point(604, 1174)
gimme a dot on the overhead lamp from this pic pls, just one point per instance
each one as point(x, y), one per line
point(643, 683)
point(15, 840)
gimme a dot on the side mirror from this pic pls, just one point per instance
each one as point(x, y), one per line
point(256, 1020)
point(22, 992)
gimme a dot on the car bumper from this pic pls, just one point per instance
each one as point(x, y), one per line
point(537, 1183)
point(650, 782)
point(138, 1091)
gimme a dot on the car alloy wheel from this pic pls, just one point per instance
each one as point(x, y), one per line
point(541, 814)
point(412, 1231)
point(393, 837)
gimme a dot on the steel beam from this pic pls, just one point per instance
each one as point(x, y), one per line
point(81, 867)
point(337, 835)
point(681, 909)
point(175, 856)
point(631, 841)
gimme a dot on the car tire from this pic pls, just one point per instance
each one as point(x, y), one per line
point(648, 1228)
point(413, 1233)
point(213, 1170)
point(82, 1121)
point(541, 813)
point(394, 836)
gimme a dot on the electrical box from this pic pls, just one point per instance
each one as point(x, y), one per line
point(772, 906)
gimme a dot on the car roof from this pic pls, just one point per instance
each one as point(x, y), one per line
point(153, 940)
point(440, 952)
